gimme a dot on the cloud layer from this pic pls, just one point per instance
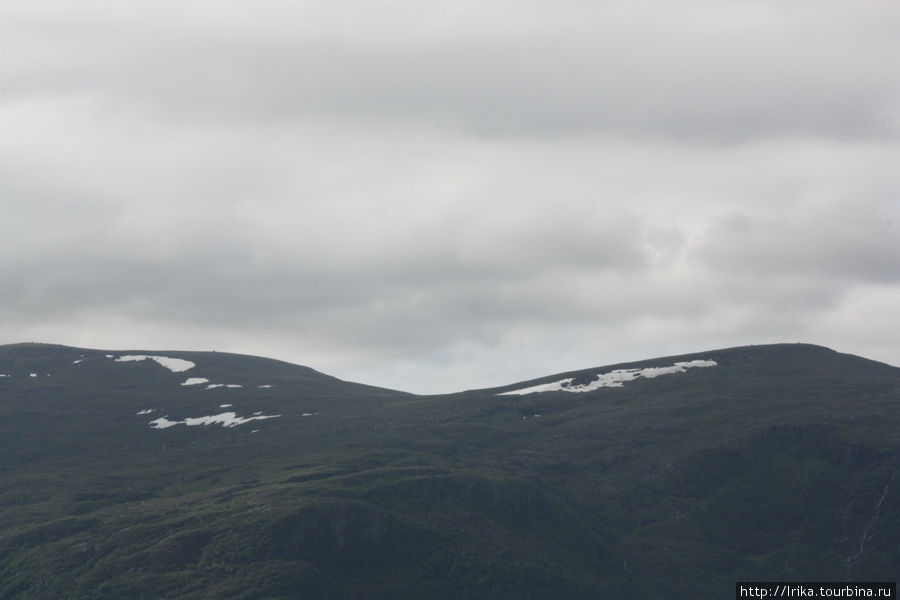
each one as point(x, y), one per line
point(435, 198)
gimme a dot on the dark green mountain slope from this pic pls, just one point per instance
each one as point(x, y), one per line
point(117, 481)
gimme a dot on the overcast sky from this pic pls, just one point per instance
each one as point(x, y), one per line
point(436, 196)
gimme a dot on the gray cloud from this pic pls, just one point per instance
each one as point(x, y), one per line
point(712, 72)
point(416, 197)
point(843, 241)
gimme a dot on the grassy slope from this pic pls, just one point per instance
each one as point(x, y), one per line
point(769, 466)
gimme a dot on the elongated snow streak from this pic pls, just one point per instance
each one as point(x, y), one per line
point(868, 530)
point(176, 365)
point(195, 381)
point(615, 378)
point(226, 419)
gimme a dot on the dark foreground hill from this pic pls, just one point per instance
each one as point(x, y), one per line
point(209, 475)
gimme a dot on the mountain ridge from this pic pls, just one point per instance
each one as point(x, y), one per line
point(575, 374)
point(69, 352)
point(779, 462)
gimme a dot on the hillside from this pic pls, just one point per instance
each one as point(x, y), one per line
point(133, 474)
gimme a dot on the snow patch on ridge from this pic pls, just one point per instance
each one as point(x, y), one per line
point(616, 378)
point(195, 380)
point(176, 365)
point(163, 423)
point(226, 419)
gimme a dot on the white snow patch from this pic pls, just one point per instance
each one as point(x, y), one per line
point(309, 414)
point(215, 385)
point(615, 378)
point(109, 356)
point(75, 362)
point(226, 419)
point(266, 385)
point(225, 406)
point(195, 380)
point(3, 375)
point(233, 385)
point(146, 411)
point(176, 365)
point(32, 374)
point(163, 423)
